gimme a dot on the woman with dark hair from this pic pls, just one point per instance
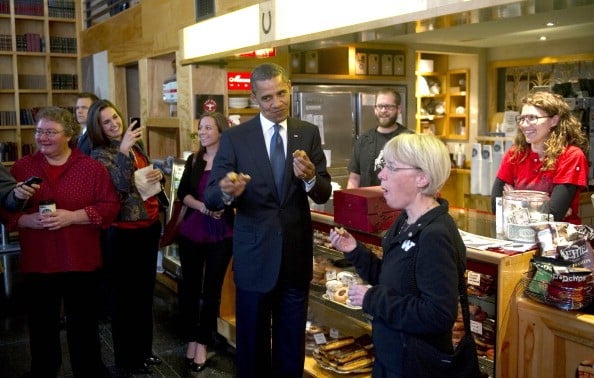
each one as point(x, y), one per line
point(132, 241)
point(205, 245)
point(549, 155)
point(60, 249)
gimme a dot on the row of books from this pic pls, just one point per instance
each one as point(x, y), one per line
point(64, 45)
point(5, 42)
point(29, 116)
point(59, 81)
point(6, 81)
point(56, 8)
point(30, 42)
point(28, 7)
point(61, 8)
point(64, 81)
point(8, 151)
point(7, 118)
point(32, 82)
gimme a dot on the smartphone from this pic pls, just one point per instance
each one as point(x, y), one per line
point(137, 124)
point(32, 180)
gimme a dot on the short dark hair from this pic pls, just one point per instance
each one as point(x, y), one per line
point(94, 128)
point(267, 71)
point(393, 92)
point(90, 95)
point(63, 117)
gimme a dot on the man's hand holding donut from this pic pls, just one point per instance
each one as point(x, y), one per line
point(302, 166)
point(233, 183)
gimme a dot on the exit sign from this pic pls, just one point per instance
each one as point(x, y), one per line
point(238, 81)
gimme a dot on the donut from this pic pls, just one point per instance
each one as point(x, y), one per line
point(299, 154)
point(340, 230)
point(341, 295)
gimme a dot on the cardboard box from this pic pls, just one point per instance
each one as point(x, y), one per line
point(387, 64)
point(373, 64)
point(425, 65)
point(363, 209)
point(361, 66)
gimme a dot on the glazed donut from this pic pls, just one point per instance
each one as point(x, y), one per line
point(341, 295)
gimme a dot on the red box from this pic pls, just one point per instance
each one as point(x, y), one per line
point(363, 209)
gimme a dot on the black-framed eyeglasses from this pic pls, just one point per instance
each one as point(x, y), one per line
point(386, 106)
point(392, 168)
point(530, 119)
point(48, 133)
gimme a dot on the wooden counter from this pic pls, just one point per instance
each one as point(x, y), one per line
point(552, 342)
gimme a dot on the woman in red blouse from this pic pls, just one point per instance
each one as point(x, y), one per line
point(548, 155)
point(60, 250)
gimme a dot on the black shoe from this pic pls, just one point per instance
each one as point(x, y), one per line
point(189, 361)
point(198, 367)
point(153, 360)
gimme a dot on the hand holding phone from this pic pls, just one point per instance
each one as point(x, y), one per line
point(134, 125)
point(32, 180)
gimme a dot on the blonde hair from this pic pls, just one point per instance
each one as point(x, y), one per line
point(426, 152)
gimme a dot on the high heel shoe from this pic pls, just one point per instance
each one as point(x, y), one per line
point(195, 367)
point(153, 360)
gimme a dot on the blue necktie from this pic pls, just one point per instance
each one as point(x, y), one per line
point(277, 158)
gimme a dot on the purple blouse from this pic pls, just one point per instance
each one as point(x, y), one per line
point(201, 228)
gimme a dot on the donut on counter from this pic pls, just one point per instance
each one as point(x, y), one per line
point(341, 295)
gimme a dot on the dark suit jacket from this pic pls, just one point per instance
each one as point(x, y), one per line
point(84, 144)
point(272, 240)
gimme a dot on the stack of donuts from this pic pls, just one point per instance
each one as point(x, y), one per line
point(337, 289)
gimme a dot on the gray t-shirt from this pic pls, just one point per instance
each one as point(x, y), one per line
point(366, 159)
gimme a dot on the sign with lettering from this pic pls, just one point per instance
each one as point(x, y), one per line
point(238, 81)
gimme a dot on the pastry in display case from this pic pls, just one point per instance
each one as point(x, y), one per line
point(493, 275)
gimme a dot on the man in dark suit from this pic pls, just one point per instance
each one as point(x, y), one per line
point(84, 100)
point(272, 239)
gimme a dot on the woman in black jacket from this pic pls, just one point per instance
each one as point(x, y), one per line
point(204, 244)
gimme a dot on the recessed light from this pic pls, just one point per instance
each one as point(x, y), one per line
point(542, 38)
point(549, 24)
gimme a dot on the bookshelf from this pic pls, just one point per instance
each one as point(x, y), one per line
point(39, 66)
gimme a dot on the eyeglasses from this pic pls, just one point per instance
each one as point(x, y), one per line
point(48, 133)
point(386, 106)
point(530, 119)
point(392, 168)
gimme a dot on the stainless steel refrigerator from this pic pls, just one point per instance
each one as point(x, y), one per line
point(342, 113)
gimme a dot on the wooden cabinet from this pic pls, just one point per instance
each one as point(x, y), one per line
point(501, 306)
point(352, 62)
point(159, 117)
point(39, 66)
point(442, 97)
point(552, 342)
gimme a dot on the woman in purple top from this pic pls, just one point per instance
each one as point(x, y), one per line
point(204, 245)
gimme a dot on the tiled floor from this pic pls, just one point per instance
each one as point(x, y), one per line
point(168, 342)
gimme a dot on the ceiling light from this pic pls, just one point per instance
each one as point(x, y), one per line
point(549, 24)
point(542, 38)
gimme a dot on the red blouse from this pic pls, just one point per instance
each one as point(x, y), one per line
point(80, 183)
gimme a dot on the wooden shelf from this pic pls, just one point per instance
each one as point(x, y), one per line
point(452, 124)
point(34, 80)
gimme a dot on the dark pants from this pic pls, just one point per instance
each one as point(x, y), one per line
point(132, 266)
point(203, 267)
point(44, 296)
point(280, 316)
